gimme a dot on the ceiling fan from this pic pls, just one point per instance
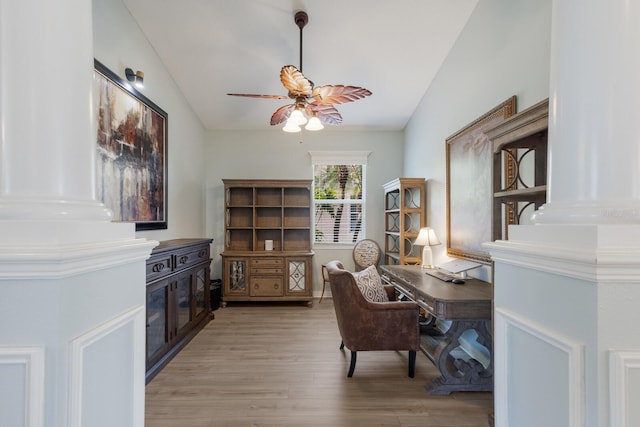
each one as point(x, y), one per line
point(316, 103)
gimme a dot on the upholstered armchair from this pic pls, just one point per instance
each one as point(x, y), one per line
point(371, 326)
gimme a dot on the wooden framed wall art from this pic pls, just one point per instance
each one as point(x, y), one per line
point(131, 144)
point(469, 158)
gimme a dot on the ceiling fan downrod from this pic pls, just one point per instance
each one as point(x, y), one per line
point(301, 18)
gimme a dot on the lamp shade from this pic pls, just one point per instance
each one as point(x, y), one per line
point(314, 124)
point(297, 117)
point(291, 126)
point(427, 237)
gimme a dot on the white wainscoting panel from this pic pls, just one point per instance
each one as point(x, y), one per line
point(107, 373)
point(22, 386)
point(530, 357)
point(624, 388)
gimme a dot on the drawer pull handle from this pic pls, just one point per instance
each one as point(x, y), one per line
point(157, 268)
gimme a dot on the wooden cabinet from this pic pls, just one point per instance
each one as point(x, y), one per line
point(266, 277)
point(519, 167)
point(267, 255)
point(178, 303)
point(404, 216)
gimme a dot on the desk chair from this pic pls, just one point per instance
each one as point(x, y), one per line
point(325, 280)
point(365, 253)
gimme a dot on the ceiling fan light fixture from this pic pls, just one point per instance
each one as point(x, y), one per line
point(310, 102)
point(297, 117)
point(291, 126)
point(314, 124)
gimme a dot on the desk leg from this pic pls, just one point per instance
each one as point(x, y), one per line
point(460, 373)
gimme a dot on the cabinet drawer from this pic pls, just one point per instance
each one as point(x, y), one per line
point(266, 286)
point(267, 270)
point(193, 256)
point(266, 262)
point(158, 266)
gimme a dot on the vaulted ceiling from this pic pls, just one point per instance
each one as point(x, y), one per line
point(213, 47)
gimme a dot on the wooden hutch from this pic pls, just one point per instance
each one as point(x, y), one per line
point(267, 250)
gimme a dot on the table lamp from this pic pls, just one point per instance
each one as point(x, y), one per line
point(427, 238)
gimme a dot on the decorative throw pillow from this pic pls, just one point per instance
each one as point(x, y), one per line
point(369, 283)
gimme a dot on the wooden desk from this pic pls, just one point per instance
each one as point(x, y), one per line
point(466, 307)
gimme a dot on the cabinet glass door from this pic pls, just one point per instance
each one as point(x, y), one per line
point(157, 336)
point(184, 301)
point(296, 277)
point(199, 291)
point(236, 282)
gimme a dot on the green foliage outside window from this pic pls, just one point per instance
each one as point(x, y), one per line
point(338, 190)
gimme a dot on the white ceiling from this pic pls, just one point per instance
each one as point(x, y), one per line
point(213, 47)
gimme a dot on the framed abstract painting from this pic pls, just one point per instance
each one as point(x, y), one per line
point(131, 144)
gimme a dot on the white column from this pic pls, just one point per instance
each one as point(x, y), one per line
point(47, 140)
point(566, 288)
point(72, 283)
point(594, 126)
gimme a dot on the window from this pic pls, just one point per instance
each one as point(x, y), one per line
point(338, 194)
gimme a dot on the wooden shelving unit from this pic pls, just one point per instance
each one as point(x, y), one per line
point(261, 211)
point(519, 166)
point(404, 212)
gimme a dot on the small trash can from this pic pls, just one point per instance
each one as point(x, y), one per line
point(216, 293)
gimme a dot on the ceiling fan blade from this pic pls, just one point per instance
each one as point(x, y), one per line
point(338, 94)
point(326, 113)
point(250, 95)
point(281, 114)
point(293, 80)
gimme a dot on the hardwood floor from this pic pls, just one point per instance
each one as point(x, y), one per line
point(280, 365)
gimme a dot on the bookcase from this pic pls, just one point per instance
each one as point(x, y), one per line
point(519, 167)
point(404, 212)
point(267, 253)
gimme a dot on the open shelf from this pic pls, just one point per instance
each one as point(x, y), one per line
point(297, 217)
point(268, 217)
point(262, 235)
point(269, 196)
point(297, 240)
point(239, 196)
point(297, 197)
point(239, 217)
